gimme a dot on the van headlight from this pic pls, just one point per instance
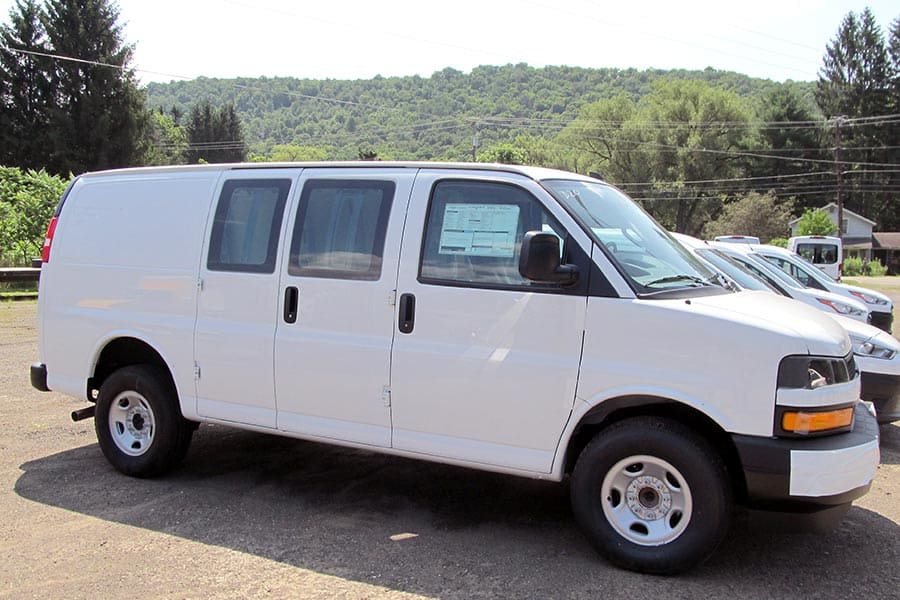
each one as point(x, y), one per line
point(871, 347)
point(813, 372)
point(869, 298)
point(841, 308)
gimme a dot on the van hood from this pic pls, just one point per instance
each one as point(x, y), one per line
point(857, 329)
point(820, 333)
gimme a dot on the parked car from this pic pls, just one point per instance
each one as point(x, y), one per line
point(461, 313)
point(877, 353)
point(806, 273)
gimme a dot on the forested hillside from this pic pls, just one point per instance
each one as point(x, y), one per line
point(426, 118)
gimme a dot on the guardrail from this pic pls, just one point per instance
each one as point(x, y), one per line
point(19, 274)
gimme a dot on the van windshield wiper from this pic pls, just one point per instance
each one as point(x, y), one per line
point(675, 278)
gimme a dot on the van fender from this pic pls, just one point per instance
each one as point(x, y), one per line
point(187, 401)
point(617, 399)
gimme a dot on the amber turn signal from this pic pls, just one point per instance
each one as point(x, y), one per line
point(812, 422)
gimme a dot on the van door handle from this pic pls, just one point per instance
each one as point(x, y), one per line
point(407, 313)
point(291, 297)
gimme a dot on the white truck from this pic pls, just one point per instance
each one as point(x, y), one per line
point(462, 313)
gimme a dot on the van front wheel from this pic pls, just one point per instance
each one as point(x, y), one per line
point(139, 426)
point(651, 495)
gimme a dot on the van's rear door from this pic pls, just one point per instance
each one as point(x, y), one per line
point(335, 325)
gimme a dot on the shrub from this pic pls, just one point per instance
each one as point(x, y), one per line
point(27, 201)
point(780, 242)
point(874, 268)
point(853, 266)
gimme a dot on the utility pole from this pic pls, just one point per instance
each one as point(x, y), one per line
point(838, 172)
point(475, 143)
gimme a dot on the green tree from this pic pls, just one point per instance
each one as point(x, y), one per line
point(760, 215)
point(98, 118)
point(791, 131)
point(603, 133)
point(25, 89)
point(28, 200)
point(503, 152)
point(661, 149)
point(815, 222)
point(857, 81)
point(166, 141)
point(551, 153)
point(367, 153)
point(855, 76)
point(294, 153)
point(215, 135)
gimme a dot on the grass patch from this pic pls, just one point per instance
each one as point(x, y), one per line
point(889, 286)
point(16, 295)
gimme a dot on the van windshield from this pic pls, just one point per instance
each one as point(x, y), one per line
point(643, 251)
point(744, 278)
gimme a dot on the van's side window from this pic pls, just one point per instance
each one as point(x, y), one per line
point(792, 270)
point(474, 233)
point(340, 229)
point(247, 225)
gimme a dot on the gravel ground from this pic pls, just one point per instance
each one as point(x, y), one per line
point(249, 515)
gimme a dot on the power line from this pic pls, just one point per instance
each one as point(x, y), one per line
point(644, 33)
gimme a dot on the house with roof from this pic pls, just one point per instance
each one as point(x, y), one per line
point(859, 239)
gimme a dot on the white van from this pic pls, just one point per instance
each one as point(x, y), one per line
point(461, 313)
point(825, 252)
point(881, 307)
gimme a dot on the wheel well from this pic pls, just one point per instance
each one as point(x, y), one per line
point(124, 352)
point(615, 410)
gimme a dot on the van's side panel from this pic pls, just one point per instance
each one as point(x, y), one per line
point(124, 263)
point(675, 350)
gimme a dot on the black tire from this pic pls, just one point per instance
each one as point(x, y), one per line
point(139, 424)
point(666, 524)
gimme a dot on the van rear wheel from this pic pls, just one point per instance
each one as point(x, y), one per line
point(138, 423)
point(651, 495)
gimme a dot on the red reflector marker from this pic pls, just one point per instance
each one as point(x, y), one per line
point(48, 240)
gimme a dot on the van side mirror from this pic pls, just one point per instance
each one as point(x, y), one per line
point(539, 260)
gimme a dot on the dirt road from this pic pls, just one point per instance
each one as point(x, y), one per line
point(254, 516)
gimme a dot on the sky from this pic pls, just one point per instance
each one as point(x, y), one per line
point(353, 39)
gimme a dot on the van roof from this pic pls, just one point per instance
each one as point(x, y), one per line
point(830, 238)
point(536, 173)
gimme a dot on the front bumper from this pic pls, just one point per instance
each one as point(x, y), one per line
point(810, 475)
point(881, 320)
point(883, 391)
